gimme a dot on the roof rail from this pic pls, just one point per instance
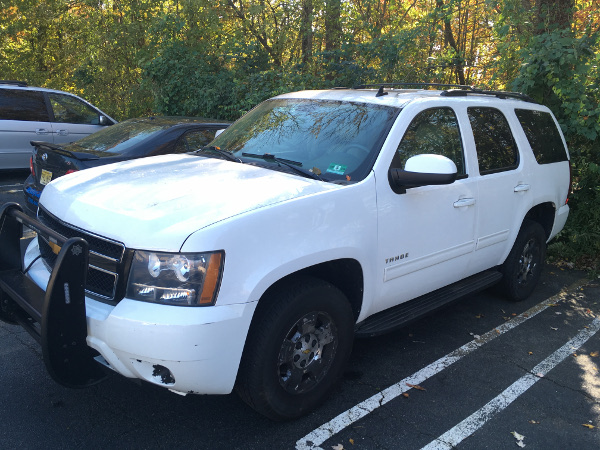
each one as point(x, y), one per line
point(14, 83)
point(392, 85)
point(499, 94)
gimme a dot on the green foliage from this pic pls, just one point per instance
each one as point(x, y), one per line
point(561, 71)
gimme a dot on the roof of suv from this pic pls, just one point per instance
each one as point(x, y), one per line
point(400, 97)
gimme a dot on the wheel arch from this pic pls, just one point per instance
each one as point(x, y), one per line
point(346, 274)
point(543, 214)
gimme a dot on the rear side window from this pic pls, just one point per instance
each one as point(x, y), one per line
point(494, 142)
point(23, 105)
point(68, 109)
point(543, 136)
point(194, 140)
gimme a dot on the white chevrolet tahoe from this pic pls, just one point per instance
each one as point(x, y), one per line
point(317, 217)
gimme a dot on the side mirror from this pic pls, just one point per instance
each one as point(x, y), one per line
point(422, 170)
point(103, 120)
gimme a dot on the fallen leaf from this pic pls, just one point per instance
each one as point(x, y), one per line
point(525, 315)
point(416, 386)
point(479, 316)
point(539, 375)
point(530, 353)
point(405, 395)
point(552, 304)
point(503, 312)
point(594, 354)
point(497, 331)
point(337, 447)
point(513, 314)
point(534, 422)
point(587, 425)
point(575, 355)
point(347, 177)
point(351, 441)
point(518, 437)
point(555, 329)
point(557, 313)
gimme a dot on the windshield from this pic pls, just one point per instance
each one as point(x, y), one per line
point(334, 139)
point(118, 139)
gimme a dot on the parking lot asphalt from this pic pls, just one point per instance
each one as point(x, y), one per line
point(483, 374)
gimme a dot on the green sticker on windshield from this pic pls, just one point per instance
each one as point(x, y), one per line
point(337, 169)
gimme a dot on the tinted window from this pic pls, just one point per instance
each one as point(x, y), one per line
point(494, 142)
point(193, 140)
point(543, 136)
point(339, 140)
point(69, 109)
point(23, 105)
point(118, 139)
point(433, 131)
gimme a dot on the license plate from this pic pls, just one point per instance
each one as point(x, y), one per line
point(46, 177)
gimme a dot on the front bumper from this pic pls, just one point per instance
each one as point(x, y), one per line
point(186, 349)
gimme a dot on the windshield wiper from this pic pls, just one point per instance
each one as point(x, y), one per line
point(296, 166)
point(228, 156)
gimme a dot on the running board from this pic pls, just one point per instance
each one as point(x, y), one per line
point(401, 315)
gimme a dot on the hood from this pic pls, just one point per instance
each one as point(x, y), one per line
point(156, 203)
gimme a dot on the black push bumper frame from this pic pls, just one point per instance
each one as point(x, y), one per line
point(56, 317)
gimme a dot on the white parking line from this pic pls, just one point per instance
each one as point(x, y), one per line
point(347, 418)
point(471, 424)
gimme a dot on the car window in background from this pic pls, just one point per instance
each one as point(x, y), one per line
point(23, 105)
point(194, 140)
point(68, 109)
point(118, 139)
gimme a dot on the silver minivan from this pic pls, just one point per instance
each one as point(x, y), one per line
point(39, 114)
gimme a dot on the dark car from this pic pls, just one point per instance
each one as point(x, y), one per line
point(134, 138)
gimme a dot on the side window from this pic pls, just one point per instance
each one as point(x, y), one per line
point(23, 105)
point(68, 109)
point(543, 136)
point(494, 142)
point(193, 140)
point(433, 131)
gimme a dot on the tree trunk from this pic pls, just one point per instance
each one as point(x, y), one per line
point(554, 14)
point(449, 38)
point(306, 33)
point(333, 25)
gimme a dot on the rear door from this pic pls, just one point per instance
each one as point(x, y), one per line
point(504, 184)
point(24, 117)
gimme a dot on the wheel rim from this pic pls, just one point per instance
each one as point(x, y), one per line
point(528, 261)
point(307, 352)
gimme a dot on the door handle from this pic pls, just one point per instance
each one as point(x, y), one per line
point(62, 132)
point(41, 131)
point(522, 187)
point(464, 202)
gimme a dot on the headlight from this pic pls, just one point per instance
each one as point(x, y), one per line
point(187, 279)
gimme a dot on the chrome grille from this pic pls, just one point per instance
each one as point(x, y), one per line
point(106, 264)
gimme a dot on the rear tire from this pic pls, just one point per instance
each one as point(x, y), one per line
point(297, 348)
point(523, 266)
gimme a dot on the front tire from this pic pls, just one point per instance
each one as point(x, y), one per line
point(297, 348)
point(523, 266)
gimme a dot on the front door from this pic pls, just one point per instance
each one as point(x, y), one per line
point(426, 235)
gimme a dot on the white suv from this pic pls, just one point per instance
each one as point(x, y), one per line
point(318, 216)
point(33, 114)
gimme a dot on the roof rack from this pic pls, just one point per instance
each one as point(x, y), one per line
point(391, 85)
point(499, 94)
point(14, 83)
